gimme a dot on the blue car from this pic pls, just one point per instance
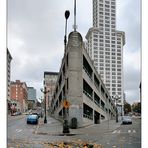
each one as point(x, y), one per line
point(32, 119)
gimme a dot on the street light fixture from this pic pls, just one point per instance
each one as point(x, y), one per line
point(45, 92)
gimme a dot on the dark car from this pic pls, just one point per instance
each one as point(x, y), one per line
point(32, 119)
point(34, 113)
point(126, 120)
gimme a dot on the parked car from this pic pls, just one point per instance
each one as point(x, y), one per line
point(32, 119)
point(126, 120)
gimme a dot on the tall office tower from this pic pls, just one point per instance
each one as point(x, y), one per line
point(105, 46)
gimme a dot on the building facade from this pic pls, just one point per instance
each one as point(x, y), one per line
point(31, 97)
point(9, 58)
point(80, 84)
point(50, 79)
point(105, 46)
point(19, 94)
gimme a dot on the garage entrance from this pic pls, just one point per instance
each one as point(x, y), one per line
point(96, 118)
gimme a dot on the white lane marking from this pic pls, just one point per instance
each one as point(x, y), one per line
point(119, 132)
point(18, 130)
point(134, 131)
point(129, 131)
point(89, 126)
point(114, 131)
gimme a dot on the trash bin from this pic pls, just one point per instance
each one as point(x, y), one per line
point(74, 123)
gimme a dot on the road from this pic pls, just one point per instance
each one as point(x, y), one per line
point(22, 135)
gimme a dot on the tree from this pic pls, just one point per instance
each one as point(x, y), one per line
point(127, 108)
point(136, 107)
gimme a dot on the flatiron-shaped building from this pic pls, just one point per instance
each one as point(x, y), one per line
point(80, 84)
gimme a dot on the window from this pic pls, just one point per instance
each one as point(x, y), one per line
point(96, 52)
point(107, 57)
point(107, 68)
point(107, 65)
point(101, 60)
point(106, 25)
point(107, 6)
point(106, 2)
point(101, 52)
point(95, 35)
point(107, 37)
point(107, 45)
point(106, 13)
point(107, 49)
point(107, 61)
point(107, 29)
point(113, 7)
point(107, 53)
point(107, 41)
point(101, 64)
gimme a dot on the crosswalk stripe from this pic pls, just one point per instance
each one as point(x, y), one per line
point(119, 131)
point(18, 130)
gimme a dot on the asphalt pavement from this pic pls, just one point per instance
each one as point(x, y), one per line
point(107, 134)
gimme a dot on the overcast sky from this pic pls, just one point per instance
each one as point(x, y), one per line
point(36, 33)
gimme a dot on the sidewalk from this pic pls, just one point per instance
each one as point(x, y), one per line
point(54, 127)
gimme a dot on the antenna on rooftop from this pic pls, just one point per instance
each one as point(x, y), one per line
point(75, 26)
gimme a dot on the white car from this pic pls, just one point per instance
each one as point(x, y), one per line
point(126, 120)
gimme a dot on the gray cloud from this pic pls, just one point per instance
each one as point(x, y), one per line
point(36, 32)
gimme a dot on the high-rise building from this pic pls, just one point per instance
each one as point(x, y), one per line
point(105, 46)
point(50, 79)
point(31, 97)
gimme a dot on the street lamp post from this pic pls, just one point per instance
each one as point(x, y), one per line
point(65, 124)
point(116, 98)
point(41, 107)
point(45, 92)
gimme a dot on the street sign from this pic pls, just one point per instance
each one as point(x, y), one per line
point(66, 104)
